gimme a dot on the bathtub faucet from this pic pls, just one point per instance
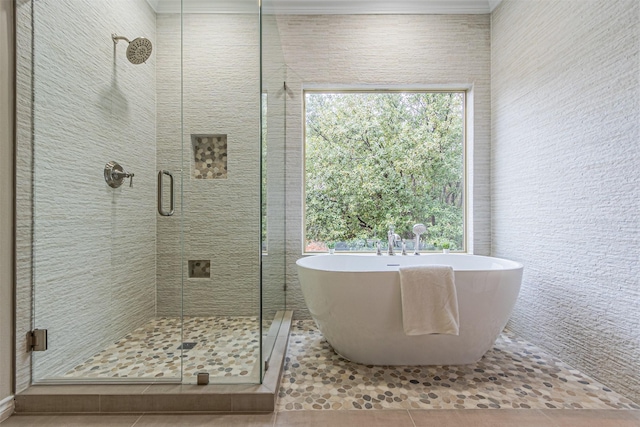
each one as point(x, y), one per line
point(392, 239)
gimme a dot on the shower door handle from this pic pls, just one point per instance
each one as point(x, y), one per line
point(161, 210)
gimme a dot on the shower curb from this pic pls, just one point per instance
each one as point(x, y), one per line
point(162, 398)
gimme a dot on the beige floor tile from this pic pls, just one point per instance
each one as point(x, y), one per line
point(60, 403)
point(71, 420)
point(226, 420)
point(436, 417)
point(506, 418)
point(86, 389)
point(594, 418)
point(526, 418)
point(387, 418)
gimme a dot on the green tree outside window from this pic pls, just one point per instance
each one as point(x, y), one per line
point(378, 159)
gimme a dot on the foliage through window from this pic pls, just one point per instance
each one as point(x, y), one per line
point(376, 159)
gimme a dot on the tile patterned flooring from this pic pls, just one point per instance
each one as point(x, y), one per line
point(386, 418)
point(514, 374)
point(320, 388)
point(225, 347)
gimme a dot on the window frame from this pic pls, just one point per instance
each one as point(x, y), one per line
point(466, 194)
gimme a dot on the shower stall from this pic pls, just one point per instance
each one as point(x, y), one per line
point(151, 155)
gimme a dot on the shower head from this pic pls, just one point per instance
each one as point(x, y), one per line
point(138, 51)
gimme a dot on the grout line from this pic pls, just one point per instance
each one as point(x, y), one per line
point(275, 417)
point(136, 421)
point(411, 418)
point(551, 421)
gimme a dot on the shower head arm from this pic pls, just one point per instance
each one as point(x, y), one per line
point(139, 49)
point(116, 37)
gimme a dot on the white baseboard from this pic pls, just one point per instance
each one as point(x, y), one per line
point(6, 408)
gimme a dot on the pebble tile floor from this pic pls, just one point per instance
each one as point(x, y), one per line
point(319, 388)
point(514, 374)
point(225, 347)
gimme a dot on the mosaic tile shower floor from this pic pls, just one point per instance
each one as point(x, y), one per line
point(225, 347)
point(513, 374)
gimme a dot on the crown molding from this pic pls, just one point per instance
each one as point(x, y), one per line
point(205, 6)
point(493, 4)
point(153, 4)
point(327, 7)
point(374, 7)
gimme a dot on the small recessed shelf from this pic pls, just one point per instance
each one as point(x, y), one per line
point(199, 269)
point(209, 156)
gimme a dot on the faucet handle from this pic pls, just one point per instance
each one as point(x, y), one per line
point(114, 175)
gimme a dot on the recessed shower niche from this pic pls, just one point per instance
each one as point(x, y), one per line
point(199, 269)
point(209, 156)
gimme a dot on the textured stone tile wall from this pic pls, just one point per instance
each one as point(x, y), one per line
point(400, 51)
point(24, 191)
point(6, 201)
point(221, 70)
point(94, 246)
point(565, 179)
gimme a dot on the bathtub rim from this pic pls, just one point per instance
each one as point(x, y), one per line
point(507, 264)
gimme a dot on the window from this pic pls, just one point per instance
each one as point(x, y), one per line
point(380, 159)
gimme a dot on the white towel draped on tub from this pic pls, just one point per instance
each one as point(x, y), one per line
point(429, 300)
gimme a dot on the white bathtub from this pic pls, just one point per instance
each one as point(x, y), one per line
point(355, 301)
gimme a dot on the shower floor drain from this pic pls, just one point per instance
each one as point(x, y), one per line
point(187, 345)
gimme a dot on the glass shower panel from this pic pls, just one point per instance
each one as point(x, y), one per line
point(221, 152)
point(274, 95)
point(96, 227)
point(126, 291)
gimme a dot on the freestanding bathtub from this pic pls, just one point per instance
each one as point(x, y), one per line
point(355, 301)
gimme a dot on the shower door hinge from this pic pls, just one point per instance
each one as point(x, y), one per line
point(266, 365)
point(38, 340)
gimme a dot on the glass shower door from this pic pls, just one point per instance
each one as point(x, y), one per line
point(137, 104)
point(273, 160)
point(221, 188)
point(97, 232)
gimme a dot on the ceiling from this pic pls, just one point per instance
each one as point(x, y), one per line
point(327, 7)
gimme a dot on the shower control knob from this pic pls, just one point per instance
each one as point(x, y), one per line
point(114, 175)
